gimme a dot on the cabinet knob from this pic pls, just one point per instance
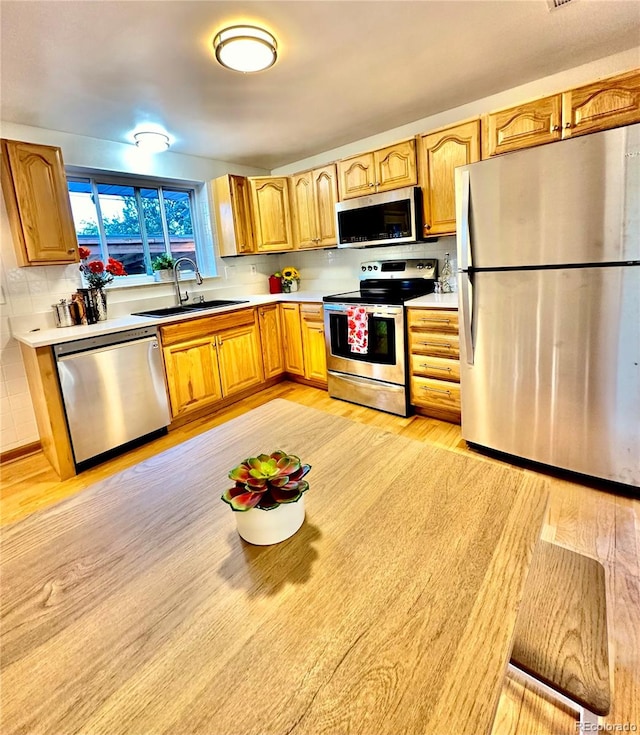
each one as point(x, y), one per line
point(555, 128)
point(568, 125)
point(371, 184)
point(427, 227)
point(71, 251)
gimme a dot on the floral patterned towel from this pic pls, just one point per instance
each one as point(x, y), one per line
point(358, 332)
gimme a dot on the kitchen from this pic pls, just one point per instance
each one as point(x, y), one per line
point(336, 267)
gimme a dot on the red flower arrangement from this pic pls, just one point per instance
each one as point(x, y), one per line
point(96, 273)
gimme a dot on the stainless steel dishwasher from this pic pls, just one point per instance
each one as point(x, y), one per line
point(113, 390)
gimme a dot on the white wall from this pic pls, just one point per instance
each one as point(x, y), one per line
point(29, 292)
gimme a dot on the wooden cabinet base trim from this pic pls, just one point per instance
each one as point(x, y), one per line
point(25, 450)
point(453, 417)
point(305, 381)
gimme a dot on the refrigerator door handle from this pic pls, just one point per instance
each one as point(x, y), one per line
point(463, 196)
point(464, 261)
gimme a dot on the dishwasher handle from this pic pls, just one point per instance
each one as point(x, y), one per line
point(107, 348)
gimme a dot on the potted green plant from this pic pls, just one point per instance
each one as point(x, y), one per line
point(162, 266)
point(268, 496)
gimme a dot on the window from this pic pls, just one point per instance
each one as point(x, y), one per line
point(134, 223)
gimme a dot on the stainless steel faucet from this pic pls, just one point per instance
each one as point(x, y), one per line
point(176, 279)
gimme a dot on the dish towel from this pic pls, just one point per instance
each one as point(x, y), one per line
point(358, 332)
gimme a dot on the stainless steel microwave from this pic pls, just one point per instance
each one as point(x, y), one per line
point(389, 218)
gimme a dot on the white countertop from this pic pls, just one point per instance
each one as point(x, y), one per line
point(435, 301)
point(56, 335)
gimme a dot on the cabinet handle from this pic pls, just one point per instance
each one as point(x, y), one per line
point(434, 367)
point(436, 390)
point(555, 128)
point(427, 227)
point(436, 344)
point(371, 184)
point(568, 125)
point(71, 251)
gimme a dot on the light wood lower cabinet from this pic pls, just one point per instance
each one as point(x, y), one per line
point(303, 337)
point(211, 358)
point(313, 344)
point(271, 338)
point(435, 362)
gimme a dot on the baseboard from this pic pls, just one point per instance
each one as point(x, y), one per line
point(24, 451)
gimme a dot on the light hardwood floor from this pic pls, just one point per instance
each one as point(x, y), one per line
point(595, 522)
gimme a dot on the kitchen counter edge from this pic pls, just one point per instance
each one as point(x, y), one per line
point(58, 335)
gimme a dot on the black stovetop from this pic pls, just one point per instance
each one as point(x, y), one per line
point(384, 291)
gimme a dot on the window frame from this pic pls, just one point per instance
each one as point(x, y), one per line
point(200, 218)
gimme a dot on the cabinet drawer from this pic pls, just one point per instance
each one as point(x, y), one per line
point(194, 328)
point(311, 312)
point(441, 395)
point(440, 368)
point(435, 320)
point(434, 343)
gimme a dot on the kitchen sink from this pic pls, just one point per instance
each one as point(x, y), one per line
point(186, 308)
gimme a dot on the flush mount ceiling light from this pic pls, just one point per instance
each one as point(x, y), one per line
point(151, 141)
point(245, 48)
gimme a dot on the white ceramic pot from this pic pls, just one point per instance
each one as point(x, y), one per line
point(166, 274)
point(264, 527)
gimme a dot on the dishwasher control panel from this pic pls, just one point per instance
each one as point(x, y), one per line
point(104, 340)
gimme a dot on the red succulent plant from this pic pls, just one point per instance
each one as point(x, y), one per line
point(266, 481)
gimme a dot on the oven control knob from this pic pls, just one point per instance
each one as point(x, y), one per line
point(364, 267)
point(375, 267)
point(420, 266)
point(369, 268)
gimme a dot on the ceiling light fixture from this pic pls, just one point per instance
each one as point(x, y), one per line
point(150, 141)
point(245, 48)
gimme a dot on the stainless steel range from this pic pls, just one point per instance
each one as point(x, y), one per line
point(365, 333)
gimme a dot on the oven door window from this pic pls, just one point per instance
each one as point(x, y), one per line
point(382, 339)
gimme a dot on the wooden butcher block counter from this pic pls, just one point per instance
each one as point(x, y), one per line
point(135, 608)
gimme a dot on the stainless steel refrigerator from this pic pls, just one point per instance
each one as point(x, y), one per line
point(549, 282)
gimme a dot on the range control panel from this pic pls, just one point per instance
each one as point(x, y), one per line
point(410, 268)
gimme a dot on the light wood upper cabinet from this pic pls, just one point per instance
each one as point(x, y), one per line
point(292, 338)
point(234, 223)
point(38, 206)
point(440, 152)
point(532, 123)
point(272, 217)
point(396, 166)
point(388, 168)
point(608, 103)
point(314, 196)
point(240, 359)
point(271, 338)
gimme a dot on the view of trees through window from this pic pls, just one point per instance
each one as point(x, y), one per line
point(133, 224)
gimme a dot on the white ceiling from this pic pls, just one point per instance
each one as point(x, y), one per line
point(346, 70)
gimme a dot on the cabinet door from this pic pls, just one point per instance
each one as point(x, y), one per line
point(325, 194)
point(232, 206)
point(292, 338)
point(271, 338)
point(304, 210)
point(315, 359)
point(608, 103)
point(396, 166)
point(240, 359)
point(272, 218)
point(523, 126)
point(193, 377)
point(357, 176)
point(440, 153)
point(38, 205)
